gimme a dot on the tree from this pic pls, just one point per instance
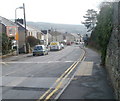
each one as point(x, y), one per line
point(6, 44)
point(100, 36)
point(32, 41)
point(91, 20)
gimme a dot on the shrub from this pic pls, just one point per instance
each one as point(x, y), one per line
point(6, 44)
point(100, 36)
point(32, 41)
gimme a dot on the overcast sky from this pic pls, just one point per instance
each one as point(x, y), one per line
point(55, 11)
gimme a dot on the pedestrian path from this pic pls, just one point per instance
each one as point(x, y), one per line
point(90, 80)
point(17, 57)
point(85, 69)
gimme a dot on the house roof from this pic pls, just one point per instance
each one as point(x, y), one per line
point(7, 22)
point(75, 35)
point(28, 27)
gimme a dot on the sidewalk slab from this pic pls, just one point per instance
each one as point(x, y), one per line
point(90, 81)
point(17, 57)
point(85, 69)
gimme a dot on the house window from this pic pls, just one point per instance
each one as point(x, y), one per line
point(11, 30)
point(29, 33)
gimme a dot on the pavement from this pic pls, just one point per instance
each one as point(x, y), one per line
point(90, 81)
point(16, 57)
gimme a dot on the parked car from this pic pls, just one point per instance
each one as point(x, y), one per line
point(55, 46)
point(77, 43)
point(68, 43)
point(62, 45)
point(40, 50)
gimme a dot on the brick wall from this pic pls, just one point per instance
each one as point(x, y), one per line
point(113, 52)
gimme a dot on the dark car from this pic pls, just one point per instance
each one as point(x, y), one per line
point(68, 43)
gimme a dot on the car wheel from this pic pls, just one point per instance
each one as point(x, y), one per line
point(43, 53)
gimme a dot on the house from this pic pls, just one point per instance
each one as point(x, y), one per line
point(2, 28)
point(61, 37)
point(49, 38)
point(8, 27)
point(45, 38)
point(78, 37)
point(69, 37)
point(29, 32)
point(56, 36)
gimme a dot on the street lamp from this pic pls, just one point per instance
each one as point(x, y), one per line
point(16, 12)
point(17, 33)
point(22, 7)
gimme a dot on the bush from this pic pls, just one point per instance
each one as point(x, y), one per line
point(100, 36)
point(6, 44)
point(32, 41)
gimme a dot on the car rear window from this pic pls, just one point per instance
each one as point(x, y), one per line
point(54, 43)
point(38, 48)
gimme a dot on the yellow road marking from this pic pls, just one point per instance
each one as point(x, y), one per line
point(59, 85)
point(67, 72)
point(56, 82)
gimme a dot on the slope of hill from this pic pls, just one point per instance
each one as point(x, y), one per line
point(59, 27)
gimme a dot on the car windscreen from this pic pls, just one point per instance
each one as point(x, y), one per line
point(38, 48)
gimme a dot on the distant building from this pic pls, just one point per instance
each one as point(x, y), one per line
point(45, 39)
point(77, 37)
point(69, 37)
point(49, 38)
point(61, 37)
point(56, 36)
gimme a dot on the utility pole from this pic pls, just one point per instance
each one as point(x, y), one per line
point(119, 19)
point(25, 28)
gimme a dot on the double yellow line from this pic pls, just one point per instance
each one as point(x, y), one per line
point(58, 83)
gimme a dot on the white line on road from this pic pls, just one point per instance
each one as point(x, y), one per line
point(22, 62)
point(4, 63)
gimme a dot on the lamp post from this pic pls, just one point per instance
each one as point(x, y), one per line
point(22, 7)
point(25, 28)
point(17, 40)
point(16, 12)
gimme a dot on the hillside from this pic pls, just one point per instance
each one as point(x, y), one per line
point(59, 27)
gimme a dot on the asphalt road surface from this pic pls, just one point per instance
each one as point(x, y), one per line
point(32, 76)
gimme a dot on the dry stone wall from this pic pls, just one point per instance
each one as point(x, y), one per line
point(113, 52)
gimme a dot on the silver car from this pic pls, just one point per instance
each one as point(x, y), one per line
point(40, 50)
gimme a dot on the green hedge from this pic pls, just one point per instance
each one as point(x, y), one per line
point(101, 34)
point(6, 44)
point(32, 41)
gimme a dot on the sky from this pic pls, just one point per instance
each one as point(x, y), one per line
point(54, 11)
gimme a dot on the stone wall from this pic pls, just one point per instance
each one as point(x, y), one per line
point(113, 52)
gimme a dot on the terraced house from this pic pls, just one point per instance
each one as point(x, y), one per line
point(12, 29)
point(8, 27)
point(30, 32)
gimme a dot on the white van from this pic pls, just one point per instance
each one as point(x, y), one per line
point(55, 46)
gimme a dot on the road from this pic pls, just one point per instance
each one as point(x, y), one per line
point(32, 76)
